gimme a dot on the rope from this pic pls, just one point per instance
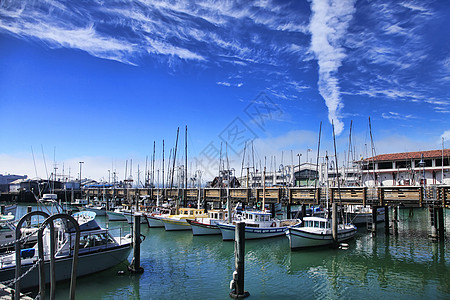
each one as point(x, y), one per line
point(11, 282)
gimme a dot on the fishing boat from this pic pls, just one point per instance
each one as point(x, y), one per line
point(360, 215)
point(258, 225)
point(154, 217)
point(179, 222)
point(116, 215)
point(317, 231)
point(98, 250)
point(208, 226)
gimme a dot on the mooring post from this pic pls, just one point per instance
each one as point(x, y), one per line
point(374, 219)
point(288, 211)
point(135, 265)
point(386, 220)
point(2, 209)
point(395, 220)
point(433, 222)
point(441, 223)
point(334, 224)
point(237, 284)
point(304, 211)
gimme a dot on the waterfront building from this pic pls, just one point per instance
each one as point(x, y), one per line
point(406, 169)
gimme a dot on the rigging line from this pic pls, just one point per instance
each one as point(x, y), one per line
point(337, 169)
point(317, 163)
point(243, 158)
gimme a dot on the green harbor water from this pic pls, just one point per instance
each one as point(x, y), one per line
point(179, 265)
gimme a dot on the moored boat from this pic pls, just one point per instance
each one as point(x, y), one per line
point(317, 231)
point(208, 226)
point(154, 217)
point(99, 250)
point(258, 225)
point(179, 222)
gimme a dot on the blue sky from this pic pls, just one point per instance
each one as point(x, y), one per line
point(100, 81)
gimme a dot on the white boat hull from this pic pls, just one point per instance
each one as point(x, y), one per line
point(299, 238)
point(173, 225)
point(115, 216)
point(204, 229)
point(129, 217)
point(228, 232)
point(87, 264)
point(154, 222)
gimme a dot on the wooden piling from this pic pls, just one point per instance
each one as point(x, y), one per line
point(374, 219)
point(441, 228)
point(334, 224)
point(395, 220)
point(237, 284)
point(135, 266)
point(386, 220)
point(433, 223)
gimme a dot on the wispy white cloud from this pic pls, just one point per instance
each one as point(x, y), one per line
point(329, 23)
point(397, 116)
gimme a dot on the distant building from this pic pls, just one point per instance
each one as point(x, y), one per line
point(406, 169)
point(5, 180)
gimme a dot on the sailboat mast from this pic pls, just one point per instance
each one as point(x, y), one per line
point(174, 158)
point(317, 162)
point(186, 159)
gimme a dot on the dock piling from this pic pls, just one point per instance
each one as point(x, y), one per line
point(135, 266)
point(334, 225)
point(386, 220)
point(237, 284)
point(395, 220)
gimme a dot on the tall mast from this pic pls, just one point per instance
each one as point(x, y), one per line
point(336, 162)
point(317, 161)
point(163, 166)
point(174, 157)
point(153, 164)
point(373, 153)
point(186, 161)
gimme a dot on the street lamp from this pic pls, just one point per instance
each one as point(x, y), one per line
point(81, 162)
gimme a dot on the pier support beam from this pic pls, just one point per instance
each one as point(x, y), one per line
point(395, 220)
point(433, 222)
point(441, 228)
point(288, 211)
point(135, 266)
point(237, 284)
point(334, 225)
point(386, 220)
point(374, 219)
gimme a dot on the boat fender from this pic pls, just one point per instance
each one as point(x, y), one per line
point(273, 224)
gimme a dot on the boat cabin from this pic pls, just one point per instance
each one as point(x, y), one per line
point(256, 218)
point(313, 222)
point(192, 212)
point(217, 214)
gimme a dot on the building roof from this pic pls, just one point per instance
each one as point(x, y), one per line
point(410, 155)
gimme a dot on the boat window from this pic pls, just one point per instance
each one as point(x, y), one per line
point(322, 224)
point(316, 224)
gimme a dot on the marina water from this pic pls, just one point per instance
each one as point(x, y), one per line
point(180, 265)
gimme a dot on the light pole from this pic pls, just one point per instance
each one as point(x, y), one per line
point(109, 176)
point(299, 156)
point(81, 163)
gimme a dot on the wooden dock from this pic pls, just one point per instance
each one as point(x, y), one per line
point(407, 196)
